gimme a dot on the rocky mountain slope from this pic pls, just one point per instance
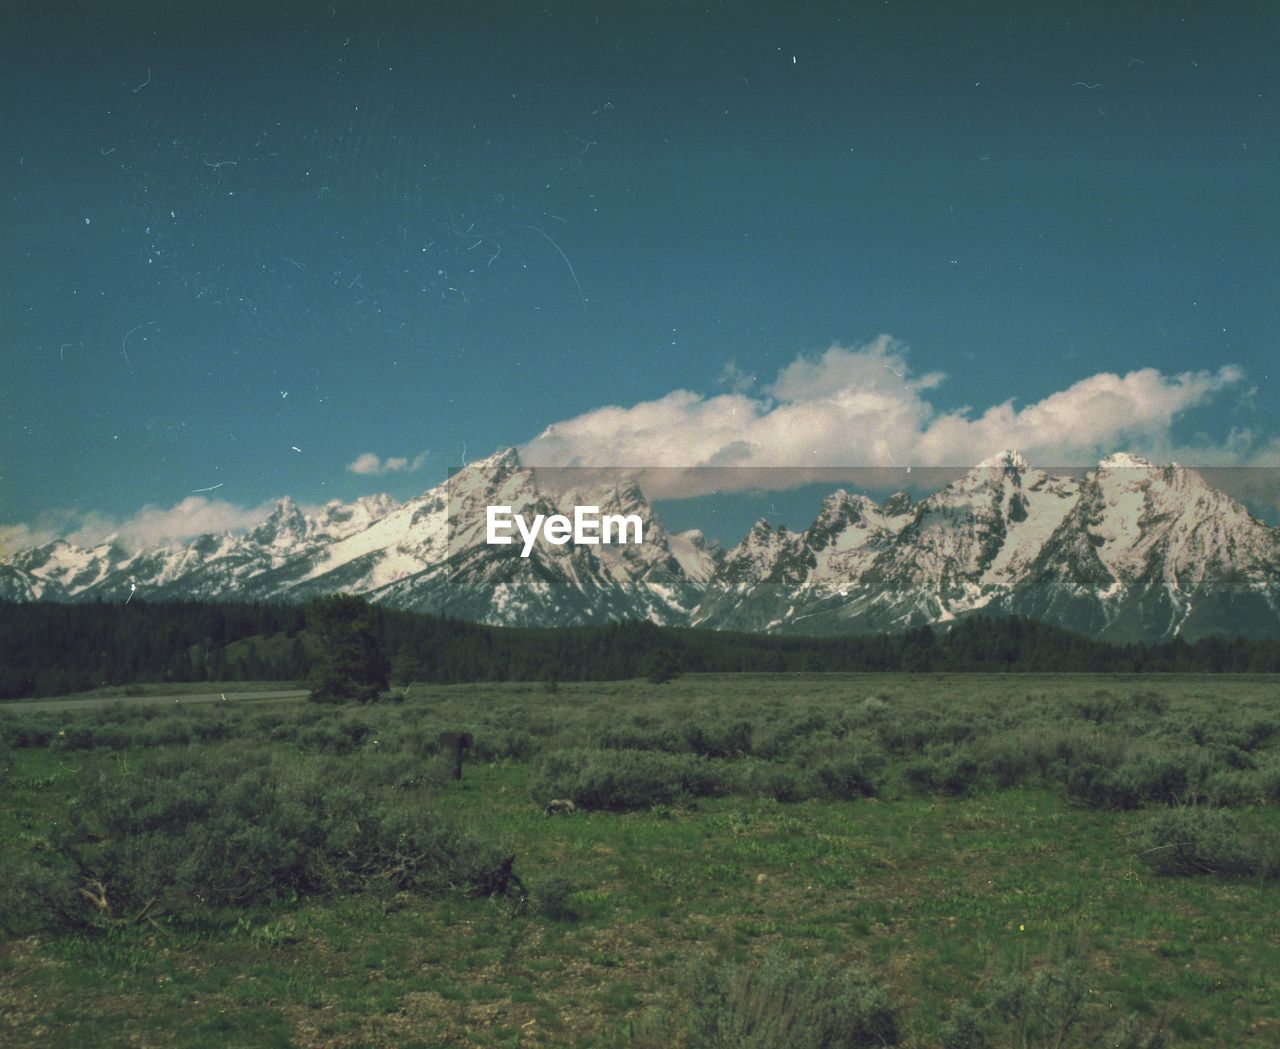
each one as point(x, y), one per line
point(1128, 551)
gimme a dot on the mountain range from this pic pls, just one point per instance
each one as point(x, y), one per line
point(1129, 551)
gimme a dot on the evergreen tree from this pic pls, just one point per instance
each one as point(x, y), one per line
point(218, 664)
point(351, 663)
point(664, 666)
point(406, 668)
point(297, 668)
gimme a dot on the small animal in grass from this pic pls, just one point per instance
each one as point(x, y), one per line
point(563, 805)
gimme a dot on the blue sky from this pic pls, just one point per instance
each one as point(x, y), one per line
point(277, 251)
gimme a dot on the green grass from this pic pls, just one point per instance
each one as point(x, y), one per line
point(939, 896)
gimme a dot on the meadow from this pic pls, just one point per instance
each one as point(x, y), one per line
point(755, 860)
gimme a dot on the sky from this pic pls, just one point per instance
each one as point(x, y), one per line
point(328, 249)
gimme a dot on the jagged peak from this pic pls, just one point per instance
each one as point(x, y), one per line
point(1006, 459)
point(841, 499)
point(285, 507)
point(842, 507)
point(506, 457)
point(286, 518)
point(482, 475)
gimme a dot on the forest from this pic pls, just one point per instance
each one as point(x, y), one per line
point(54, 649)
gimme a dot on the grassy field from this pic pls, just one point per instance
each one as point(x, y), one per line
point(1006, 861)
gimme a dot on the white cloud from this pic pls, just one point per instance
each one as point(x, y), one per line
point(151, 526)
point(193, 516)
point(369, 463)
point(17, 537)
point(864, 406)
point(154, 525)
point(734, 379)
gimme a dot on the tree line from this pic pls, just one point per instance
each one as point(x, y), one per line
point(50, 649)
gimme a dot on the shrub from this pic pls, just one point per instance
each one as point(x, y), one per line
point(1054, 749)
point(1044, 1008)
point(194, 830)
point(641, 737)
point(720, 739)
point(1195, 840)
point(1258, 733)
point(213, 730)
point(166, 730)
point(510, 744)
point(965, 1028)
point(1097, 708)
point(1008, 762)
point(944, 773)
point(325, 739)
point(846, 778)
point(1269, 778)
point(265, 722)
point(786, 784)
point(1047, 1008)
point(624, 779)
point(73, 737)
point(1235, 788)
point(783, 1004)
point(28, 733)
point(1149, 702)
point(552, 897)
point(401, 772)
point(1164, 777)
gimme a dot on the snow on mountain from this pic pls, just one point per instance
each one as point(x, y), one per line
point(1130, 550)
point(432, 554)
point(846, 536)
point(1153, 551)
point(697, 557)
point(949, 554)
point(755, 579)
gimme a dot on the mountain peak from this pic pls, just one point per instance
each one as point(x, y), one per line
point(286, 522)
point(506, 458)
point(842, 507)
point(1008, 459)
point(1118, 460)
point(1143, 553)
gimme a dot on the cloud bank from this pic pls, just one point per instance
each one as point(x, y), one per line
point(150, 527)
point(865, 407)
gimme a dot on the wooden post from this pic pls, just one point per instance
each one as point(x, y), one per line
point(456, 743)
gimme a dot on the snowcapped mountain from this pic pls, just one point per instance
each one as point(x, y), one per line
point(428, 553)
point(1128, 551)
point(1151, 551)
point(1131, 551)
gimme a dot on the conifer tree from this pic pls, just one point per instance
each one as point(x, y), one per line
point(351, 663)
